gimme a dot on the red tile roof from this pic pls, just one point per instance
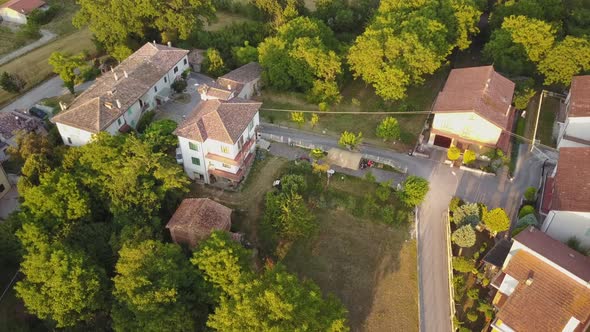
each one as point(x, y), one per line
point(580, 96)
point(571, 191)
point(200, 217)
point(477, 89)
point(23, 6)
point(547, 301)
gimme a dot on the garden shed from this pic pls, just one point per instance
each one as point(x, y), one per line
point(343, 158)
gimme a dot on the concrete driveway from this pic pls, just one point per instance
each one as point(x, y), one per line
point(180, 110)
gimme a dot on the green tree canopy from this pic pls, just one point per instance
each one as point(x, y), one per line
point(565, 60)
point(301, 57)
point(245, 54)
point(462, 212)
point(388, 129)
point(288, 215)
point(414, 190)
point(469, 156)
point(464, 236)
point(11, 83)
point(408, 40)
point(496, 220)
point(350, 139)
point(65, 66)
point(213, 63)
point(115, 23)
point(453, 153)
point(154, 288)
point(463, 264)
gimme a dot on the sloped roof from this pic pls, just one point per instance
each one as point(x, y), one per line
point(571, 190)
point(477, 89)
point(12, 121)
point(556, 252)
point(548, 302)
point(246, 73)
point(200, 215)
point(580, 98)
point(223, 121)
point(23, 6)
point(497, 255)
point(96, 108)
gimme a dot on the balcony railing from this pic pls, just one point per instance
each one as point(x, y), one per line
point(238, 160)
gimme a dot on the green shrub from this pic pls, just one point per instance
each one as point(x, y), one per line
point(453, 153)
point(179, 86)
point(458, 281)
point(464, 329)
point(456, 202)
point(383, 191)
point(145, 120)
point(370, 177)
point(473, 293)
point(485, 282)
point(414, 190)
point(526, 210)
point(464, 236)
point(388, 215)
point(472, 316)
point(530, 194)
point(460, 214)
point(468, 157)
point(463, 264)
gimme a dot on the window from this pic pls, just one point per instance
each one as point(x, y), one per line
point(193, 146)
point(224, 149)
point(250, 126)
point(129, 111)
point(196, 161)
point(175, 69)
point(165, 79)
point(225, 165)
point(2, 188)
point(155, 89)
point(69, 140)
point(119, 121)
point(185, 62)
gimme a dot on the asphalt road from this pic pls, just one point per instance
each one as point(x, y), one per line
point(445, 182)
point(46, 36)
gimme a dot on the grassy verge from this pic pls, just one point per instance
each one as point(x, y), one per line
point(33, 66)
point(549, 111)
point(359, 97)
point(223, 19)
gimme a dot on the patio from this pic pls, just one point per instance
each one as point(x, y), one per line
point(181, 105)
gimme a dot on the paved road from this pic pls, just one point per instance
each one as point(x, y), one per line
point(50, 88)
point(46, 36)
point(445, 182)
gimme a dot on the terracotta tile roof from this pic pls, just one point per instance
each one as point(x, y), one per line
point(546, 304)
point(130, 80)
point(547, 195)
point(223, 121)
point(196, 56)
point(580, 98)
point(556, 252)
point(246, 73)
point(23, 6)
point(477, 89)
point(215, 91)
point(571, 191)
point(200, 215)
point(11, 122)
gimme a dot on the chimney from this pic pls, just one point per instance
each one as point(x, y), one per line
point(169, 44)
point(118, 103)
point(108, 105)
point(125, 73)
point(62, 106)
point(229, 87)
point(529, 281)
point(116, 77)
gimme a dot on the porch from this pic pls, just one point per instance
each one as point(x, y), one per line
point(227, 180)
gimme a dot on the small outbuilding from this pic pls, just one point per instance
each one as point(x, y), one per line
point(16, 11)
point(343, 158)
point(196, 218)
point(195, 59)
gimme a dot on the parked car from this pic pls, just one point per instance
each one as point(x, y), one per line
point(36, 112)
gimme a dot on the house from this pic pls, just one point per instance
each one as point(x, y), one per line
point(543, 286)
point(4, 184)
point(196, 218)
point(16, 11)
point(566, 197)
point(575, 130)
point(239, 83)
point(473, 109)
point(195, 59)
point(217, 140)
point(13, 122)
point(116, 101)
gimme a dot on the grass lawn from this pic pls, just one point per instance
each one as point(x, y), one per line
point(10, 41)
point(13, 316)
point(33, 66)
point(61, 24)
point(359, 97)
point(224, 19)
point(369, 266)
point(549, 111)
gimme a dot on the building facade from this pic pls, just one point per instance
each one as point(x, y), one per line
point(16, 11)
point(575, 130)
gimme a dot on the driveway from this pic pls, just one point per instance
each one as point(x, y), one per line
point(180, 110)
point(445, 182)
point(50, 88)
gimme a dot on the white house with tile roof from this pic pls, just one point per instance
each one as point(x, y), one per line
point(218, 139)
point(242, 82)
point(116, 101)
point(575, 130)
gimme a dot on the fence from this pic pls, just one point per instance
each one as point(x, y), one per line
point(450, 268)
point(311, 146)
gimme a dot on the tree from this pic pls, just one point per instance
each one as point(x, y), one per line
point(298, 118)
point(463, 264)
point(293, 183)
point(65, 66)
point(278, 301)
point(11, 82)
point(120, 22)
point(464, 211)
point(245, 54)
point(213, 63)
point(288, 215)
point(408, 40)
point(60, 283)
point(522, 97)
point(314, 120)
point(453, 153)
point(507, 56)
point(279, 12)
point(536, 36)
point(468, 157)
point(121, 52)
point(496, 220)
point(414, 190)
point(179, 86)
point(159, 135)
point(383, 191)
point(350, 140)
point(464, 237)
point(302, 57)
point(388, 129)
point(565, 60)
point(154, 288)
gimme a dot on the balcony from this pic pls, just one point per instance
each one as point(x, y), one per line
point(237, 177)
point(238, 160)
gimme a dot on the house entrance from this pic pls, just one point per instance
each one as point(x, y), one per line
point(442, 141)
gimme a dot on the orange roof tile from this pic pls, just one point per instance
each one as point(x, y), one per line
point(571, 191)
point(580, 98)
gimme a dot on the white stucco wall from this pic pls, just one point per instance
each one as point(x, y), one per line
point(249, 89)
point(578, 127)
point(563, 225)
point(187, 155)
point(468, 125)
point(13, 16)
point(4, 184)
point(73, 136)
